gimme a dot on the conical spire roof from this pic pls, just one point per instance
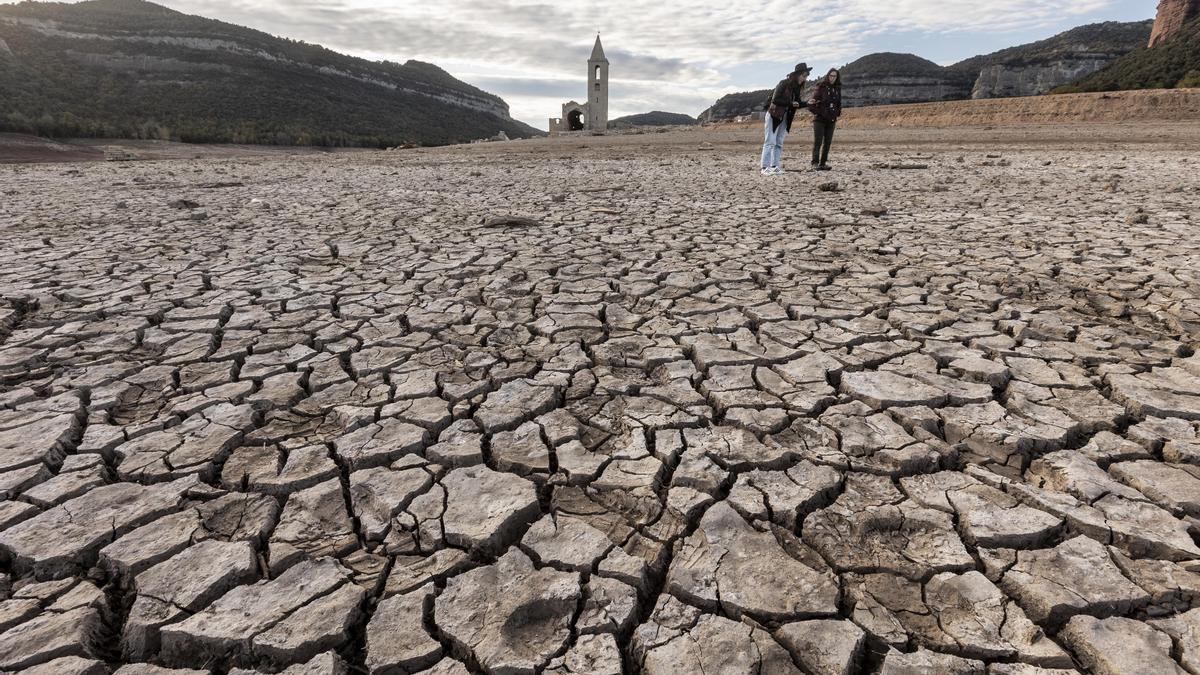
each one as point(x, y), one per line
point(598, 51)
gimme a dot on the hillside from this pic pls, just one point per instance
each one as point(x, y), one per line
point(133, 69)
point(732, 106)
point(1174, 63)
point(656, 118)
point(1105, 37)
point(1036, 68)
point(1175, 106)
point(888, 64)
point(1024, 70)
point(875, 79)
point(883, 79)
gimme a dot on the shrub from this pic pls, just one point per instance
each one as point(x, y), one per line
point(1190, 81)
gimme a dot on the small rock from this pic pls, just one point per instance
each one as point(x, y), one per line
point(729, 565)
point(1120, 646)
point(925, 662)
point(1075, 577)
point(509, 221)
point(509, 616)
point(485, 509)
point(396, 637)
point(824, 646)
point(318, 604)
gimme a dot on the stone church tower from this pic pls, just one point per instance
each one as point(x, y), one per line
point(597, 89)
point(592, 115)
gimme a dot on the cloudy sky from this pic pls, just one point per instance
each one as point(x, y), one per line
point(671, 56)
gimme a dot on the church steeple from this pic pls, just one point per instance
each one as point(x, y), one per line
point(597, 118)
point(598, 52)
point(592, 114)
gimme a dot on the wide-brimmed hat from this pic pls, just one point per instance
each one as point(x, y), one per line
point(802, 68)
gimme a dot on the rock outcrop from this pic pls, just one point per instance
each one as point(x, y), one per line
point(1172, 63)
point(732, 106)
point(1024, 70)
point(1172, 15)
point(884, 79)
point(1039, 67)
point(1005, 81)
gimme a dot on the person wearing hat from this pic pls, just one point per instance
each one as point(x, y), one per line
point(785, 101)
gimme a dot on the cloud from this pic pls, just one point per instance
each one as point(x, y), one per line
point(664, 55)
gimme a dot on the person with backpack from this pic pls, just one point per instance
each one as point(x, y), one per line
point(786, 100)
point(826, 107)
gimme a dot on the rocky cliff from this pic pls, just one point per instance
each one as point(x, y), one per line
point(1005, 81)
point(1172, 16)
point(1174, 62)
point(875, 79)
point(129, 68)
point(733, 106)
point(1026, 70)
point(1038, 67)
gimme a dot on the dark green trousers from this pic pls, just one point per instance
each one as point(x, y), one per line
point(822, 140)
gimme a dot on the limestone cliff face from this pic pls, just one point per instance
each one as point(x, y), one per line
point(897, 89)
point(1038, 67)
point(1009, 80)
point(1025, 70)
point(1172, 15)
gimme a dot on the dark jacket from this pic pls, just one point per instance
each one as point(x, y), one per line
point(826, 104)
point(785, 97)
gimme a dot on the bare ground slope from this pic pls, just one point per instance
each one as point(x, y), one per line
point(606, 405)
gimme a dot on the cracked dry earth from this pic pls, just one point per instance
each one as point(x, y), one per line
point(620, 408)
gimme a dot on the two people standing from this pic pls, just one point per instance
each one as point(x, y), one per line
point(786, 100)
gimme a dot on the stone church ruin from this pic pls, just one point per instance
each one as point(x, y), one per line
point(592, 115)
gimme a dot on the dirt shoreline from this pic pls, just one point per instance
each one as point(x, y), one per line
point(1132, 118)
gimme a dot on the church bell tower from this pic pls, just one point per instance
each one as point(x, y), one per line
point(597, 101)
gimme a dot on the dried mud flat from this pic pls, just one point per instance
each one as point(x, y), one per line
point(606, 405)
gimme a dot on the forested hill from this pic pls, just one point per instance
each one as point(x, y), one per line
point(134, 69)
point(1025, 70)
point(652, 119)
point(1174, 63)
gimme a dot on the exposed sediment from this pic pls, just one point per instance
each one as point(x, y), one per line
point(602, 406)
